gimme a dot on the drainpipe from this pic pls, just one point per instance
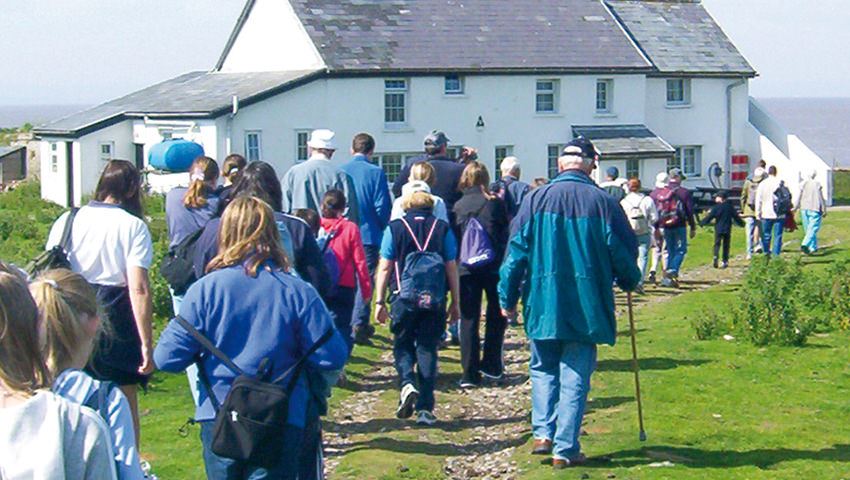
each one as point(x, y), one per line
point(228, 140)
point(727, 162)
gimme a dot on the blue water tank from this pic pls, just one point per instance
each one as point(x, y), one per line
point(174, 155)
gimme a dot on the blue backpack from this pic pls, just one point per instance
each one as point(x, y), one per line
point(476, 249)
point(329, 257)
point(422, 284)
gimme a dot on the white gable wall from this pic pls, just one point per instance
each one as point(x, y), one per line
point(272, 39)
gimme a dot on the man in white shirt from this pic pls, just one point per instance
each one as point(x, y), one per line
point(772, 223)
point(642, 214)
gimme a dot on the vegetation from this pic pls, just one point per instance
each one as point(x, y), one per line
point(841, 184)
point(8, 135)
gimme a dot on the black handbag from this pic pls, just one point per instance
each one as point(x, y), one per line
point(249, 424)
point(177, 267)
point(56, 257)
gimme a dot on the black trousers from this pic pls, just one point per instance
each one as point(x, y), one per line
point(724, 239)
point(471, 288)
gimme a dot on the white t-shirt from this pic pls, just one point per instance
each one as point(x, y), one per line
point(764, 198)
point(48, 437)
point(105, 242)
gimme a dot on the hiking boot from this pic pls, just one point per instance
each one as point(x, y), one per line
point(406, 401)
point(426, 418)
point(716, 263)
point(541, 447)
point(362, 334)
point(652, 278)
point(561, 463)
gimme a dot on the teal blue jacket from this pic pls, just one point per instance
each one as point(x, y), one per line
point(570, 242)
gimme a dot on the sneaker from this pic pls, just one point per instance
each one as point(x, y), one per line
point(651, 278)
point(424, 417)
point(805, 249)
point(490, 376)
point(749, 256)
point(406, 401)
point(724, 265)
point(362, 334)
point(667, 282)
point(468, 384)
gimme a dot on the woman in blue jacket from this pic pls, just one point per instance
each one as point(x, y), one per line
point(251, 309)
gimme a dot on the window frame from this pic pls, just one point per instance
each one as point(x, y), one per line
point(685, 92)
point(552, 162)
point(380, 160)
point(101, 155)
point(680, 160)
point(508, 152)
point(299, 148)
point(554, 91)
point(609, 96)
point(404, 94)
point(461, 90)
point(633, 172)
point(259, 147)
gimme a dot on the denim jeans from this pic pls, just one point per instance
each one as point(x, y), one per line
point(340, 305)
point(560, 383)
point(771, 229)
point(676, 242)
point(416, 335)
point(363, 309)
point(811, 226)
point(191, 370)
point(751, 227)
point(644, 242)
point(221, 468)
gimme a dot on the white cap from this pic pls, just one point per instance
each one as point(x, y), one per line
point(661, 180)
point(415, 186)
point(322, 139)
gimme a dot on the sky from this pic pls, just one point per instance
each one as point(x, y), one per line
point(90, 51)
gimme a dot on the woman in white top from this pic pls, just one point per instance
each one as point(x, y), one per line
point(41, 434)
point(111, 248)
point(642, 214)
point(421, 179)
point(69, 324)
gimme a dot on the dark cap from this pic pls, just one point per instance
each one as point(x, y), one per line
point(581, 147)
point(613, 172)
point(436, 138)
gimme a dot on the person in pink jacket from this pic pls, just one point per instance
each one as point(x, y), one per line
point(342, 236)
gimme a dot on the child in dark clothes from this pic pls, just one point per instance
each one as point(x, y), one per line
point(724, 213)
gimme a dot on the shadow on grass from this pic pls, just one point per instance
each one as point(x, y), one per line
point(382, 425)
point(651, 363)
point(607, 402)
point(435, 449)
point(762, 458)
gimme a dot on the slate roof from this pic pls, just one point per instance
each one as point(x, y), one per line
point(194, 95)
point(465, 35)
point(7, 150)
point(680, 36)
point(625, 140)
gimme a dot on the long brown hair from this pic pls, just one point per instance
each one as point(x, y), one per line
point(248, 235)
point(475, 175)
point(121, 180)
point(232, 167)
point(21, 367)
point(203, 171)
point(66, 302)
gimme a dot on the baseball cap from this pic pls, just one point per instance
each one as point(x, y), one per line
point(415, 186)
point(322, 139)
point(612, 172)
point(580, 147)
point(676, 174)
point(436, 138)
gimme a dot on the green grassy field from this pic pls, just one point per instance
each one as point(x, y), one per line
point(841, 183)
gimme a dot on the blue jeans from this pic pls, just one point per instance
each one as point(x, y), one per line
point(560, 382)
point(340, 305)
point(752, 225)
point(416, 335)
point(676, 242)
point(644, 242)
point(772, 228)
point(811, 226)
point(363, 309)
point(220, 468)
point(191, 370)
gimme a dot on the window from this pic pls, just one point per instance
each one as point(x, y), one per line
point(253, 146)
point(392, 163)
point(54, 158)
point(604, 95)
point(301, 153)
point(674, 162)
point(106, 151)
point(453, 85)
point(633, 168)
point(546, 100)
point(554, 152)
point(678, 91)
point(500, 153)
point(454, 152)
point(689, 159)
point(395, 102)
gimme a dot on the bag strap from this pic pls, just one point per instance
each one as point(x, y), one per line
point(331, 235)
point(66, 232)
point(206, 343)
point(413, 235)
point(296, 369)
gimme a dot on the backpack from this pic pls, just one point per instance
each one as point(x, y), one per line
point(637, 219)
point(476, 249)
point(56, 257)
point(249, 425)
point(671, 210)
point(178, 267)
point(782, 203)
point(752, 191)
point(422, 284)
point(615, 191)
point(328, 255)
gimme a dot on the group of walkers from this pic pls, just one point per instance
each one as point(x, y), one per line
point(273, 279)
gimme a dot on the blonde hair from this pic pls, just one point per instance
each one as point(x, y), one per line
point(418, 200)
point(423, 171)
point(21, 367)
point(474, 175)
point(248, 234)
point(202, 171)
point(66, 302)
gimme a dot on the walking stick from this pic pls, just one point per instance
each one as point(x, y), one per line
point(636, 368)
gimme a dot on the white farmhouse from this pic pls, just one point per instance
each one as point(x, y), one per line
point(655, 83)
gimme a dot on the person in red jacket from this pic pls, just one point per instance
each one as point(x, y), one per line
point(344, 240)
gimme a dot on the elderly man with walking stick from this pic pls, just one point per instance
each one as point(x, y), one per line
point(570, 242)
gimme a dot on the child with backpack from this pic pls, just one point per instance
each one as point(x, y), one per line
point(69, 325)
point(345, 256)
point(723, 213)
point(418, 260)
point(482, 221)
point(642, 215)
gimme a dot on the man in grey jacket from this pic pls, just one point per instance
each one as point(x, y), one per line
point(812, 208)
point(306, 183)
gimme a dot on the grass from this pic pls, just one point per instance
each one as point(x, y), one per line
point(841, 185)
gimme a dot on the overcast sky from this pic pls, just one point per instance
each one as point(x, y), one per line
point(89, 51)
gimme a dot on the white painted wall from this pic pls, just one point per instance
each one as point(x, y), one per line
point(203, 132)
point(272, 39)
point(88, 165)
point(53, 184)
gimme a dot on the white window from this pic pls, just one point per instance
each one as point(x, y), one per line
point(678, 91)
point(54, 157)
point(253, 146)
point(546, 99)
point(554, 151)
point(633, 168)
point(500, 153)
point(106, 151)
point(392, 163)
point(395, 102)
point(453, 85)
point(301, 138)
point(689, 160)
point(604, 95)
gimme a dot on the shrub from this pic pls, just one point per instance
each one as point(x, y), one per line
point(838, 283)
point(709, 326)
